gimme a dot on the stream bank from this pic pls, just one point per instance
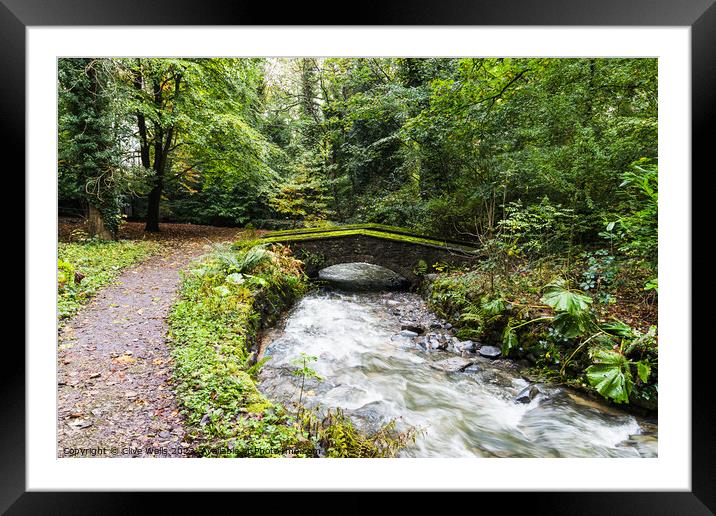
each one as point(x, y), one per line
point(383, 356)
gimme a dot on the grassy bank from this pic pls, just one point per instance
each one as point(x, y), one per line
point(85, 267)
point(225, 300)
point(589, 323)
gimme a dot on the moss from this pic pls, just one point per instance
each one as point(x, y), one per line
point(371, 227)
point(272, 238)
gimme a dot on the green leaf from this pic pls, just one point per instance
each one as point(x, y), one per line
point(509, 340)
point(563, 300)
point(571, 326)
point(602, 356)
point(610, 375)
point(618, 328)
point(643, 370)
point(609, 381)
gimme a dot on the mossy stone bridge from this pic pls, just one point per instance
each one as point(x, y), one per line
point(404, 252)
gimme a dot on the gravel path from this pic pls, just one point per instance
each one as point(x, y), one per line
point(114, 390)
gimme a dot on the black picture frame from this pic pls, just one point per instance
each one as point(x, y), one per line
point(700, 15)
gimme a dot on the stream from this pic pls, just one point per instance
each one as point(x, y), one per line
point(464, 405)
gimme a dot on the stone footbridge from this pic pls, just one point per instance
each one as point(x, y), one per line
point(405, 252)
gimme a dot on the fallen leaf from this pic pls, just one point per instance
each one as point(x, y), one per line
point(79, 424)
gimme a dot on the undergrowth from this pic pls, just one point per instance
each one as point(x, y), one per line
point(566, 318)
point(85, 267)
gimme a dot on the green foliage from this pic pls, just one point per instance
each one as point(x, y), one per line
point(600, 274)
point(509, 340)
point(611, 374)
point(421, 268)
point(94, 165)
point(314, 259)
point(557, 325)
point(99, 262)
point(302, 199)
point(422, 142)
point(304, 371)
point(65, 274)
point(224, 300)
point(535, 230)
point(639, 226)
point(526, 152)
point(336, 434)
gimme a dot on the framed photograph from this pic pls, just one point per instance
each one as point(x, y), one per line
point(438, 249)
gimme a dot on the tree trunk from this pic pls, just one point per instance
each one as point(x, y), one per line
point(95, 224)
point(153, 209)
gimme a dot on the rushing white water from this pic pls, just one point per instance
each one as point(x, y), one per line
point(376, 375)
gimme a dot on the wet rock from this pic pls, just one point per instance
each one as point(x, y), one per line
point(498, 378)
point(408, 333)
point(448, 326)
point(466, 346)
point(414, 327)
point(645, 444)
point(490, 352)
point(437, 343)
point(452, 365)
point(473, 368)
point(644, 438)
point(370, 417)
point(527, 394)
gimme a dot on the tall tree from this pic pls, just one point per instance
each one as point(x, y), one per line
point(90, 141)
point(197, 131)
point(157, 84)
